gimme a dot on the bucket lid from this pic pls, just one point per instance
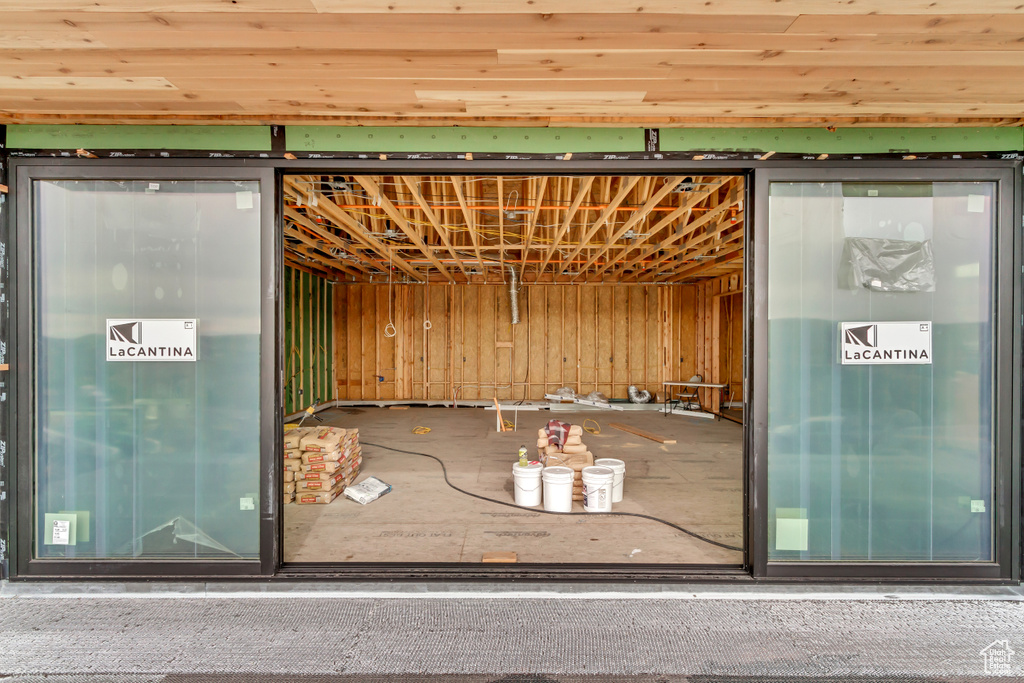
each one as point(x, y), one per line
point(611, 463)
point(596, 471)
point(556, 472)
point(532, 469)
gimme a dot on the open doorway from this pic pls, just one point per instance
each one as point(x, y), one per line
point(445, 321)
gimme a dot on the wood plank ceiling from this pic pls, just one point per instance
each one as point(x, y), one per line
point(547, 229)
point(536, 62)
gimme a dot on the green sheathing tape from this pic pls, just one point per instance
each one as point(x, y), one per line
point(843, 140)
point(480, 140)
point(206, 138)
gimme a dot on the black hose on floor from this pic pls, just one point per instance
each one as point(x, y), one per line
point(444, 470)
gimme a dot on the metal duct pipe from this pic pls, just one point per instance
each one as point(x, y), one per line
point(513, 295)
point(637, 396)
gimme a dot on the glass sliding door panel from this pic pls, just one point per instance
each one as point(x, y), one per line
point(146, 458)
point(876, 453)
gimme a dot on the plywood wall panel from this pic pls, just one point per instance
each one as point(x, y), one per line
point(471, 336)
point(570, 335)
point(485, 347)
point(732, 345)
point(552, 337)
point(605, 342)
point(588, 337)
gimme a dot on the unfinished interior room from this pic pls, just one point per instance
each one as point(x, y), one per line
point(539, 369)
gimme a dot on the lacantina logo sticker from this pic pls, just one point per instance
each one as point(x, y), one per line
point(862, 336)
point(885, 343)
point(152, 340)
point(127, 332)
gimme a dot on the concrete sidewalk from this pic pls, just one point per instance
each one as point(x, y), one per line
point(310, 632)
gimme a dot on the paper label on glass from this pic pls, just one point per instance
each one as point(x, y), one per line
point(148, 339)
point(885, 343)
point(61, 532)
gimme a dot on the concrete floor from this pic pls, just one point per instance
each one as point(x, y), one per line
point(249, 632)
point(695, 483)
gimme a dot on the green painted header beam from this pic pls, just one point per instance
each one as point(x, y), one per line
point(383, 139)
point(494, 140)
point(843, 140)
point(203, 138)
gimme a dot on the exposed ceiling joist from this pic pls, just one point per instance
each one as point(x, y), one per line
point(554, 229)
point(669, 185)
point(412, 184)
point(581, 194)
point(355, 229)
point(626, 186)
point(400, 220)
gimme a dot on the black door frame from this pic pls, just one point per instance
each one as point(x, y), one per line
point(546, 571)
point(270, 171)
point(1007, 372)
point(21, 418)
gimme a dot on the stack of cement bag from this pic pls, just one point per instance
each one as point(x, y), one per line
point(292, 460)
point(322, 462)
point(562, 444)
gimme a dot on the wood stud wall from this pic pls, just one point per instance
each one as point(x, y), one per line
point(308, 339)
point(587, 337)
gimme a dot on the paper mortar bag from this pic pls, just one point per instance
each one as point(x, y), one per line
point(323, 439)
point(294, 437)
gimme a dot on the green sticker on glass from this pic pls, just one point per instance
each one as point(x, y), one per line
point(791, 529)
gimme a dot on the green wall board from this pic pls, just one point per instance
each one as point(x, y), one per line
point(308, 339)
point(383, 139)
point(494, 140)
point(843, 140)
point(206, 138)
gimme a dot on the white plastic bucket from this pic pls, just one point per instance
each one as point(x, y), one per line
point(597, 488)
point(619, 468)
point(527, 484)
point(558, 488)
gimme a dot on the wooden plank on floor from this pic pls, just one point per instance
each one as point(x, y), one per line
point(640, 432)
point(499, 557)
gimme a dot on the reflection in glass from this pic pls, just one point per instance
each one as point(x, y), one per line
point(147, 459)
point(880, 462)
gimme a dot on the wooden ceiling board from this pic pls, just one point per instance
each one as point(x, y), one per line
point(322, 38)
point(236, 7)
point(581, 24)
point(519, 62)
point(739, 7)
point(740, 57)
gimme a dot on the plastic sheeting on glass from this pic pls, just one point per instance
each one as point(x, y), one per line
point(884, 265)
point(147, 459)
point(880, 462)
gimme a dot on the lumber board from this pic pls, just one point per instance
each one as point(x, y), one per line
point(737, 7)
point(640, 432)
point(325, 39)
point(472, 352)
point(526, 62)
